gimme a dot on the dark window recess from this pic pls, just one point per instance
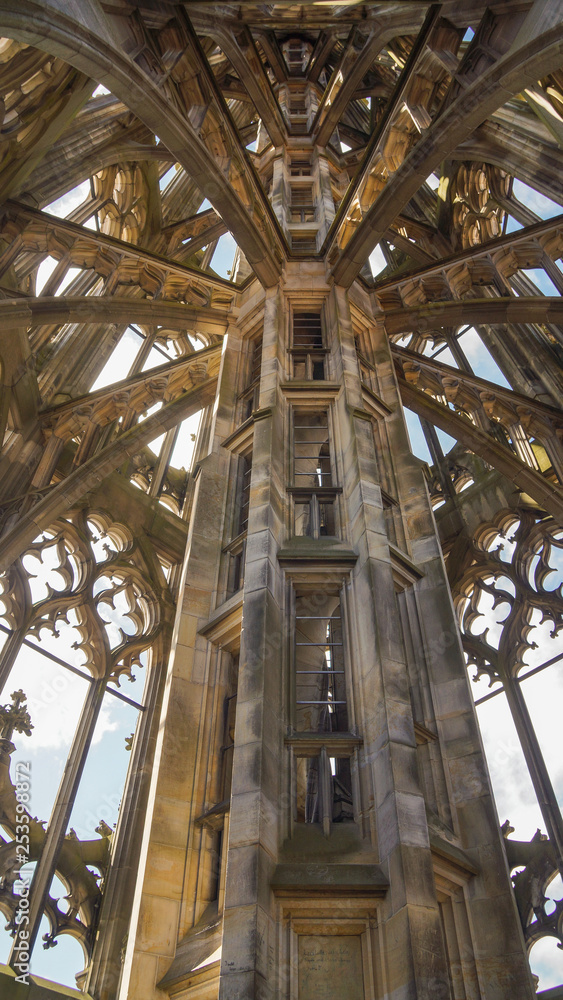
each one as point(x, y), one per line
point(237, 547)
point(307, 331)
point(306, 243)
point(294, 56)
point(248, 400)
point(229, 716)
point(301, 195)
point(227, 746)
point(246, 472)
point(314, 493)
point(300, 168)
point(297, 106)
point(324, 789)
point(302, 205)
point(320, 686)
point(299, 127)
point(308, 350)
point(367, 371)
point(314, 513)
point(236, 571)
point(312, 464)
point(256, 363)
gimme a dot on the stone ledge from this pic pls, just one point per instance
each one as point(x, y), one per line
point(309, 744)
point(329, 880)
point(302, 549)
point(192, 962)
point(317, 390)
point(451, 854)
point(405, 571)
point(224, 623)
point(37, 989)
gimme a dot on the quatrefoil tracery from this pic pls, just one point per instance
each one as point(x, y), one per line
point(85, 583)
point(511, 585)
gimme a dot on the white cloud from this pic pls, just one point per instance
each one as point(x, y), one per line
point(44, 272)
point(538, 203)
point(66, 204)
point(119, 363)
point(55, 697)
point(479, 358)
point(512, 786)
point(546, 961)
point(377, 261)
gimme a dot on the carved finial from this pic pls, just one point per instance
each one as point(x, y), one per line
point(129, 741)
point(506, 829)
point(103, 829)
point(49, 940)
point(15, 717)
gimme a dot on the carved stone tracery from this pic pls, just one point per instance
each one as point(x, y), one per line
point(96, 572)
point(300, 83)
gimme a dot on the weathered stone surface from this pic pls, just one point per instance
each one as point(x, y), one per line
point(308, 811)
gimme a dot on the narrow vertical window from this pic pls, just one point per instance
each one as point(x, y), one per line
point(244, 495)
point(308, 350)
point(314, 491)
point(249, 397)
point(237, 547)
point(323, 779)
point(218, 828)
point(323, 789)
point(363, 352)
point(312, 464)
point(320, 683)
point(256, 362)
point(300, 166)
point(302, 203)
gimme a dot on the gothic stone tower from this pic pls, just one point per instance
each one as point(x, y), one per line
point(308, 812)
point(322, 812)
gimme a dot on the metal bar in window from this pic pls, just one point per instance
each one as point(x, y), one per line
point(75, 670)
point(325, 645)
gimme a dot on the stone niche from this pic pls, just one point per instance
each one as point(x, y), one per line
point(330, 965)
point(328, 930)
point(330, 953)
